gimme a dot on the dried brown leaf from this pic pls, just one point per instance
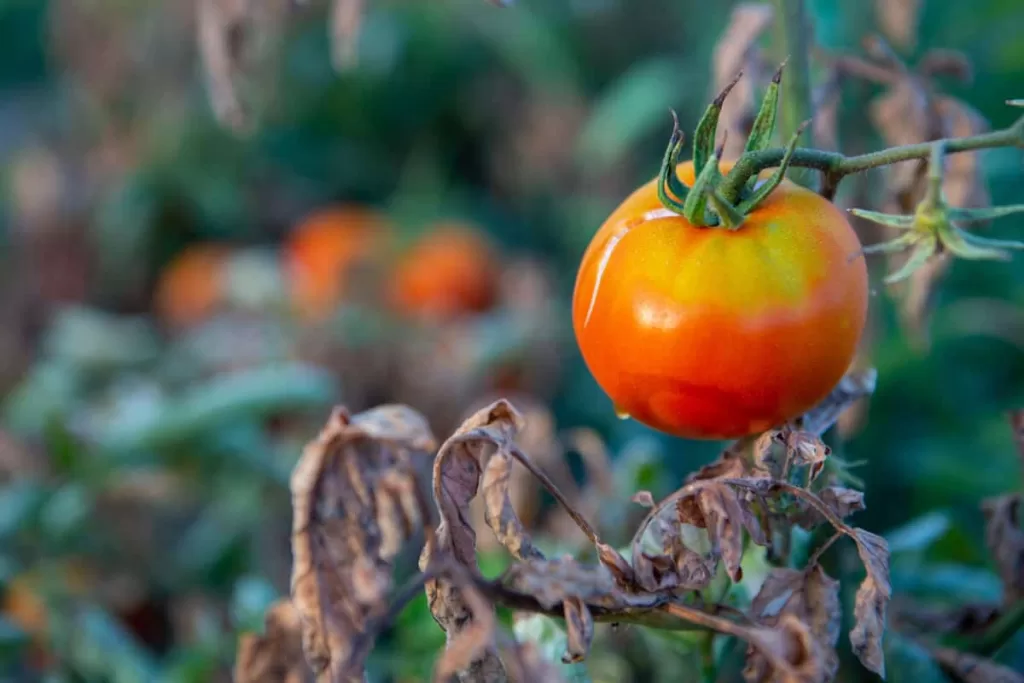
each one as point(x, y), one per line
point(579, 626)
point(470, 655)
point(1005, 538)
point(355, 498)
point(843, 502)
point(719, 509)
point(964, 181)
point(812, 597)
point(785, 653)
point(276, 656)
point(460, 464)
point(345, 22)
point(705, 504)
point(643, 498)
point(552, 582)
point(735, 51)
point(856, 385)
point(238, 40)
point(898, 20)
point(871, 601)
point(904, 116)
point(970, 668)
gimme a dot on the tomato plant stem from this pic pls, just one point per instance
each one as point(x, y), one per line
point(792, 40)
point(835, 166)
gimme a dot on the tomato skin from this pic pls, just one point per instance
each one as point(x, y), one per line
point(449, 272)
point(322, 250)
point(708, 333)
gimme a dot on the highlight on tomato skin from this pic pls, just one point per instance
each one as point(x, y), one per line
point(710, 333)
point(451, 271)
point(323, 250)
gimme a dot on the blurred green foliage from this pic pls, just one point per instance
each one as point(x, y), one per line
point(127, 451)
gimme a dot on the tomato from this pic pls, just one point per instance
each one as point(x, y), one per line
point(324, 249)
point(192, 285)
point(449, 272)
point(715, 333)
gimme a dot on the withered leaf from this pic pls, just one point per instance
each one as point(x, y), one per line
point(579, 626)
point(735, 51)
point(621, 570)
point(854, 386)
point(898, 20)
point(552, 582)
point(842, 501)
point(238, 41)
point(718, 508)
point(706, 504)
point(461, 463)
point(1005, 538)
point(812, 597)
point(276, 656)
point(784, 653)
point(643, 498)
point(805, 449)
point(970, 668)
point(871, 601)
point(470, 654)
point(355, 497)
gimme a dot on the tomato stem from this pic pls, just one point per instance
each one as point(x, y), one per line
point(931, 228)
point(837, 166)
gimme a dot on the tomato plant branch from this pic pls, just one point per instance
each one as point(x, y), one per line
point(792, 46)
point(835, 165)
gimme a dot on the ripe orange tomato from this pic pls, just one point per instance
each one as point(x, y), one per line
point(450, 271)
point(714, 333)
point(191, 287)
point(322, 251)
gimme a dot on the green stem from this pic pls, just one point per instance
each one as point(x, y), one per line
point(708, 666)
point(792, 37)
point(836, 166)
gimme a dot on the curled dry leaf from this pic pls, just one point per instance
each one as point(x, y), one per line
point(469, 655)
point(238, 40)
point(705, 504)
point(855, 386)
point(871, 601)
point(735, 51)
point(810, 596)
point(277, 654)
point(843, 502)
point(579, 625)
point(643, 498)
point(969, 668)
point(463, 460)
point(1005, 538)
point(355, 499)
point(785, 653)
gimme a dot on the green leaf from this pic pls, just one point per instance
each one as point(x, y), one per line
point(633, 106)
point(918, 534)
point(250, 394)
